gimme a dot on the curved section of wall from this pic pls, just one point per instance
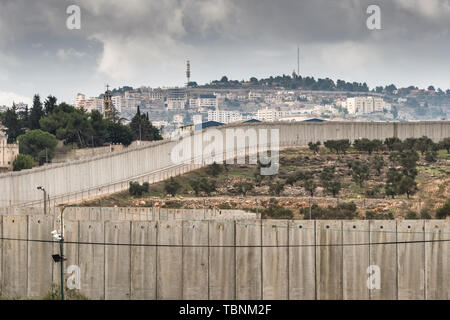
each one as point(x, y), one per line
point(105, 174)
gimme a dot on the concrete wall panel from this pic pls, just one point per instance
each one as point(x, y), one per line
point(169, 263)
point(222, 273)
point(195, 260)
point(15, 256)
point(117, 260)
point(40, 263)
point(248, 260)
point(356, 260)
point(437, 260)
point(92, 259)
point(329, 260)
point(275, 266)
point(411, 260)
point(143, 260)
point(302, 260)
point(385, 257)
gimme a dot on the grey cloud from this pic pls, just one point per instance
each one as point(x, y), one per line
point(147, 41)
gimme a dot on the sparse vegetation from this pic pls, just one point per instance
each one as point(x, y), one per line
point(138, 190)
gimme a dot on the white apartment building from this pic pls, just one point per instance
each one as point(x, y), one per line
point(204, 101)
point(267, 114)
point(224, 116)
point(178, 119)
point(88, 104)
point(197, 119)
point(123, 104)
point(252, 95)
point(80, 101)
point(365, 105)
point(93, 104)
point(176, 99)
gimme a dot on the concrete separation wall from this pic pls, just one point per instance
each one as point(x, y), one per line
point(105, 174)
point(226, 259)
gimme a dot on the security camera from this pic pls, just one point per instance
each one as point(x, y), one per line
point(56, 235)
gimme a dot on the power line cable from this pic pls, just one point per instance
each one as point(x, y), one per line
point(228, 246)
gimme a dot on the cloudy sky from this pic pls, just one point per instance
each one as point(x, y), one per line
point(147, 42)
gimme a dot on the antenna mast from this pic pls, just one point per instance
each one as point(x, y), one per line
point(188, 72)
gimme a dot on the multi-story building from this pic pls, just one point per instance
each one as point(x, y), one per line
point(224, 116)
point(267, 114)
point(176, 99)
point(8, 153)
point(80, 101)
point(88, 104)
point(94, 104)
point(178, 119)
point(126, 104)
point(366, 105)
point(204, 102)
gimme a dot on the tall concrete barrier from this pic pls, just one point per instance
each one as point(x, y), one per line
point(74, 181)
point(221, 259)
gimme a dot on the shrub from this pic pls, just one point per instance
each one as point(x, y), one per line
point(431, 156)
point(341, 211)
point(372, 215)
point(411, 215)
point(69, 294)
point(425, 214)
point(172, 205)
point(214, 169)
point(444, 211)
point(138, 190)
point(172, 186)
point(275, 211)
point(23, 161)
point(243, 187)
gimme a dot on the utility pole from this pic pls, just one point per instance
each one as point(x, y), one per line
point(309, 208)
point(61, 250)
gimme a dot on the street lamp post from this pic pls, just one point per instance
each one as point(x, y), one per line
point(45, 198)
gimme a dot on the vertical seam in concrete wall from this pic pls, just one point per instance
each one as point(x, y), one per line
point(396, 254)
point(182, 258)
point(104, 261)
point(209, 298)
point(424, 262)
point(156, 259)
point(131, 260)
point(341, 223)
point(28, 253)
point(2, 268)
point(78, 246)
point(315, 259)
point(288, 267)
point(262, 258)
point(235, 261)
point(370, 262)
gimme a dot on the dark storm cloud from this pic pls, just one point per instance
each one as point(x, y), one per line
point(146, 42)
